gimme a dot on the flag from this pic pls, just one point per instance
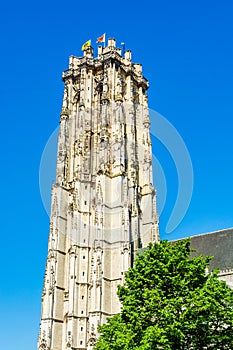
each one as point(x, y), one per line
point(101, 39)
point(86, 45)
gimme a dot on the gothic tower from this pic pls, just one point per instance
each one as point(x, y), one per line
point(103, 202)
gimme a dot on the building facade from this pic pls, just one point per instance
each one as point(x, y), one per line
point(103, 202)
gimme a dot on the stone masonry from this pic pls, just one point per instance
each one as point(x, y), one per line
point(103, 202)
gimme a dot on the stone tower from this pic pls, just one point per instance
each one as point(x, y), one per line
point(103, 202)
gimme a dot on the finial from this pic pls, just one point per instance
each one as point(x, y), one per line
point(112, 42)
point(89, 52)
point(128, 55)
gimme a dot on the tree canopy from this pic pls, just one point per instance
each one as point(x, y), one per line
point(170, 302)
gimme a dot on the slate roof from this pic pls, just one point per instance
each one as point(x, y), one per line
point(218, 244)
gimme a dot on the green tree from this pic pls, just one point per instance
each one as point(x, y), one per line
point(169, 302)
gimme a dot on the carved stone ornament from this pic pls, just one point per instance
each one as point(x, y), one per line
point(116, 145)
point(66, 96)
point(76, 94)
point(61, 155)
point(78, 147)
point(92, 339)
point(43, 346)
point(146, 166)
point(69, 340)
point(43, 342)
point(146, 121)
point(65, 112)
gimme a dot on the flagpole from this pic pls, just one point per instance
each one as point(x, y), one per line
point(123, 48)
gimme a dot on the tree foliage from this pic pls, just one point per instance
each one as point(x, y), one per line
point(169, 302)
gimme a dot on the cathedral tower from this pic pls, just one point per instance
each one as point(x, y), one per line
point(103, 202)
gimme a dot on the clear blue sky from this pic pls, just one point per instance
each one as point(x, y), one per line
point(186, 49)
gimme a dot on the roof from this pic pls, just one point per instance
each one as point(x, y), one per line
point(218, 244)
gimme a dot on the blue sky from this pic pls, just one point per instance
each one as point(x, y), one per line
point(187, 55)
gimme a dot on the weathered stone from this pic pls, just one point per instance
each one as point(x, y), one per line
point(103, 202)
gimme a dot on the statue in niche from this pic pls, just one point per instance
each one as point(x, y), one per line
point(119, 88)
point(105, 83)
point(99, 85)
point(76, 97)
point(119, 84)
